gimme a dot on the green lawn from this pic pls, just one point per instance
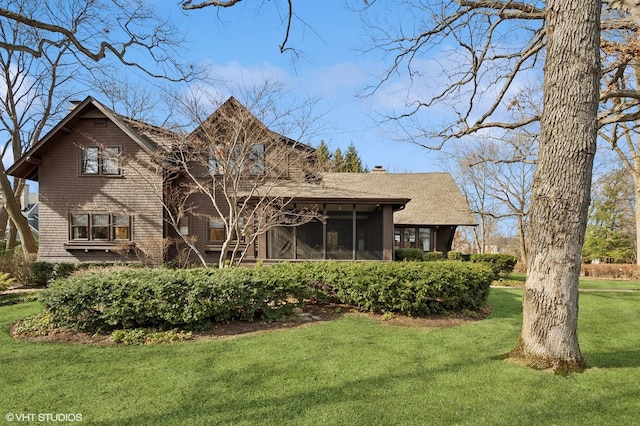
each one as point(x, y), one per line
point(590, 283)
point(349, 371)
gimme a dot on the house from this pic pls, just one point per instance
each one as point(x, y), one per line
point(104, 195)
point(429, 220)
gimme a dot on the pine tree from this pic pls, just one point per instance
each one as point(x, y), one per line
point(324, 157)
point(337, 164)
point(352, 161)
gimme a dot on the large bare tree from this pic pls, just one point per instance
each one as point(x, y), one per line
point(494, 42)
point(31, 95)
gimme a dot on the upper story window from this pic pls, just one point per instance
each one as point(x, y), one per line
point(100, 161)
point(251, 162)
point(100, 227)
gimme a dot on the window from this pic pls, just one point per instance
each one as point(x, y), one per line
point(79, 226)
point(218, 232)
point(183, 225)
point(100, 162)
point(216, 229)
point(256, 159)
point(100, 227)
point(121, 227)
point(238, 160)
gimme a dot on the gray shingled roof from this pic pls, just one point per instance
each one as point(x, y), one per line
point(319, 193)
point(435, 197)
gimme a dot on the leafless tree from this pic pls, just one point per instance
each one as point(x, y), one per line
point(44, 47)
point(126, 31)
point(234, 169)
point(31, 95)
point(620, 103)
point(496, 177)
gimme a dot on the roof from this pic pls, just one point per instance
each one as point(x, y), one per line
point(149, 137)
point(145, 135)
point(231, 110)
point(435, 197)
point(319, 193)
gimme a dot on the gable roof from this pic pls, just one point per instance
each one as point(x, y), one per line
point(148, 137)
point(233, 108)
point(435, 197)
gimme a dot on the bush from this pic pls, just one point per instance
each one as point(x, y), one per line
point(5, 281)
point(501, 264)
point(410, 288)
point(165, 299)
point(42, 273)
point(15, 264)
point(454, 255)
point(408, 254)
point(433, 255)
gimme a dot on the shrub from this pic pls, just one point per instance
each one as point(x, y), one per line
point(19, 267)
point(42, 273)
point(454, 255)
point(433, 255)
point(165, 299)
point(500, 263)
point(408, 254)
point(5, 280)
point(410, 288)
point(187, 299)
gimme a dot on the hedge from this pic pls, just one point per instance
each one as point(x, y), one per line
point(500, 263)
point(410, 288)
point(167, 299)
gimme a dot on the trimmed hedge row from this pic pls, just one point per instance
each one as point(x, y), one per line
point(500, 263)
point(410, 288)
point(168, 299)
point(165, 298)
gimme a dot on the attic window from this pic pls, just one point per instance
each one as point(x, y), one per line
point(99, 121)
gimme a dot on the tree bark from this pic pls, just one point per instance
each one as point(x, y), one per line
point(523, 241)
point(561, 187)
point(29, 245)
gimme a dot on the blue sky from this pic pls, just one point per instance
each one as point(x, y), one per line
point(241, 43)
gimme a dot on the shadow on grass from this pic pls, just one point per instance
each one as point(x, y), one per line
point(505, 303)
point(613, 359)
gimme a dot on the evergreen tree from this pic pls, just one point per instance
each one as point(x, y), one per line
point(324, 157)
point(610, 235)
point(337, 163)
point(352, 161)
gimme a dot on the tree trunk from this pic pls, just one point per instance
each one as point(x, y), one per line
point(15, 214)
point(523, 241)
point(636, 183)
point(4, 221)
point(561, 186)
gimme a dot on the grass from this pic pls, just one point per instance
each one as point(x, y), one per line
point(518, 278)
point(350, 371)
